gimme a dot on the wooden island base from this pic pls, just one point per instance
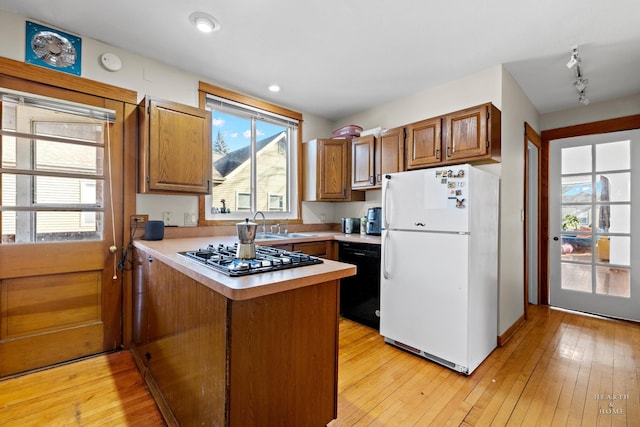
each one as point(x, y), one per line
point(210, 360)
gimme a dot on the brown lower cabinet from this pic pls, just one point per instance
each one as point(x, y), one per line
point(209, 360)
point(322, 249)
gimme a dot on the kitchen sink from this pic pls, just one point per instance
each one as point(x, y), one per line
point(273, 236)
point(268, 236)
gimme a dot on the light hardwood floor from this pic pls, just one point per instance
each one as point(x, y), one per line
point(105, 390)
point(559, 369)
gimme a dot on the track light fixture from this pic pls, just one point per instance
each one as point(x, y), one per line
point(583, 99)
point(580, 83)
point(575, 58)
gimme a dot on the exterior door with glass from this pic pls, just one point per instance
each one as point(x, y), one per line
point(593, 192)
point(60, 291)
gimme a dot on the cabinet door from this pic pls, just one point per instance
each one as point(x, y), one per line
point(333, 169)
point(389, 153)
point(362, 161)
point(424, 143)
point(319, 249)
point(175, 148)
point(466, 133)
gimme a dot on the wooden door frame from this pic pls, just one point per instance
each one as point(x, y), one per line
point(530, 135)
point(593, 128)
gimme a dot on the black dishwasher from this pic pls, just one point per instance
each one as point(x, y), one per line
point(360, 294)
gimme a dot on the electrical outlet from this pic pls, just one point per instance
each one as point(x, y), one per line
point(323, 218)
point(166, 218)
point(139, 220)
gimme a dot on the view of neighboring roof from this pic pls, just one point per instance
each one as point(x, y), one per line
point(231, 161)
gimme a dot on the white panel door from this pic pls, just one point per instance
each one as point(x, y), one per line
point(594, 191)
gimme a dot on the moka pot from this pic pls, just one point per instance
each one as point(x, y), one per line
point(246, 235)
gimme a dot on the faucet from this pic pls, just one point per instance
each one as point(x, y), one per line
point(286, 225)
point(264, 221)
point(275, 225)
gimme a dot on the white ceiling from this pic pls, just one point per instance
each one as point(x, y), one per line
point(337, 57)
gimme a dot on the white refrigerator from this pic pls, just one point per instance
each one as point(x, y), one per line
point(439, 268)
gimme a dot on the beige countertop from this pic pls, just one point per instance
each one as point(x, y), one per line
point(356, 237)
point(254, 285)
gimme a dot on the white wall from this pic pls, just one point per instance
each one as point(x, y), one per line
point(593, 112)
point(483, 86)
point(147, 77)
point(516, 110)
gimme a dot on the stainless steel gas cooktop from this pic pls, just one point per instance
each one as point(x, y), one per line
point(223, 258)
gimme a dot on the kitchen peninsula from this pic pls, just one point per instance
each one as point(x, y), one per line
point(236, 351)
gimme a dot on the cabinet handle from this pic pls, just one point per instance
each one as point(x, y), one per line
point(437, 154)
point(371, 179)
point(378, 177)
point(448, 151)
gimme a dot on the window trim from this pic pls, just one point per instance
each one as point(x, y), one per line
point(205, 89)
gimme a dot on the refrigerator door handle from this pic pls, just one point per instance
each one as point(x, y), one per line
point(385, 214)
point(385, 273)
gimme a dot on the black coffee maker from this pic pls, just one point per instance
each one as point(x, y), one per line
point(374, 221)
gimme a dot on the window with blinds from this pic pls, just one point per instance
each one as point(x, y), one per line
point(254, 161)
point(52, 181)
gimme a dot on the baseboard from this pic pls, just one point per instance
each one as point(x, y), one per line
point(509, 333)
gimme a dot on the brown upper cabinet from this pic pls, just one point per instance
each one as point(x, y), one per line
point(389, 153)
point(363, 161)
point(469, 135)
point(372, 157)
point(424, 143)
point(473, 134)
point(327, 171)
point(174, 148)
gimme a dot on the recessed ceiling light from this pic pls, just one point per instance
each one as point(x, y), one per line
point(204, 22)
point(274, 88)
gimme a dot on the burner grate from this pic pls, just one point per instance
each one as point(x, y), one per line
point(223, 258)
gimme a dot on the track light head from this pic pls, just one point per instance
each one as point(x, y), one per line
point(575, 58)
point(583, 99)
point(581, 84)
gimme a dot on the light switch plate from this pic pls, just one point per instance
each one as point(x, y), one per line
point(166, 218)
point(190, 219)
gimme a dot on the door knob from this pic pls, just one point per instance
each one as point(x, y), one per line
point(555, 238)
